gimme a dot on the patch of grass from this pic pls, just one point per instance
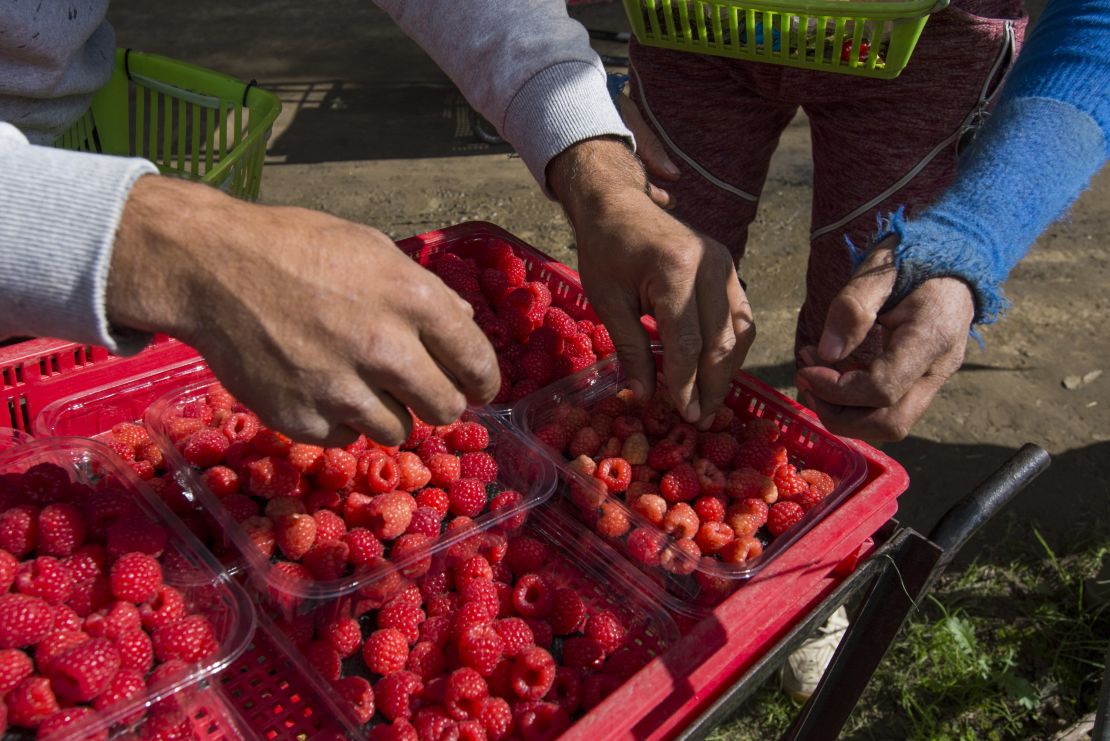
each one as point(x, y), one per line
point(1012, 647)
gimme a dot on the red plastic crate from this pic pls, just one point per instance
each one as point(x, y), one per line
point(37, 372)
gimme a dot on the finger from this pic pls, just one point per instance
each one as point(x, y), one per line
point(725, 318)
point(680, 330)
point(884, 424)
point(660, 197)
point(376, 414)
point(456, 343)
point(853, 312)
point(417, 381)
point(648, 147)
point(620, 313)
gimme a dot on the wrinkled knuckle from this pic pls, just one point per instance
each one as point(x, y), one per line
point(688, 344)
point(722, 350)
point(896, 431)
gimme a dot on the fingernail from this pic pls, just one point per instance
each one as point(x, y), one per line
point(706, 423)
point(801, 384)
point(693, 412)
point(831, 348)
point(637, 389)
point(671, 169)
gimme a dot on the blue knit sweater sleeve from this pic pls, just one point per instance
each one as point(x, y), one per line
point(1049, 134)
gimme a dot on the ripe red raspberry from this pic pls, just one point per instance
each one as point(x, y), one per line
point(329, 526)
point(719, 449)
point(465, 694)
point(385, 651)
point(533, 673)
point(467, 497)
point(820, 483)
point(381, 471)
point(585, 442)
point(398, 730)
point(24, 620)
point(410, 554)
point(432, 446)
point(84, 671)
point(665, 455)
point(412, 473)
point(65, 618)
point(710, 509)
point(761, 454)
point(306, 458)
point(746, 483)
point(56, 643)
point(481, 648)
point(711, 481)
point(568, 613)
point(680, 484)
point(281, 506)
point(15, 666)
point(523, 388)
point(537, 367)
point(394, 692)
point(271, 443)
point(652, 507)
point(364, 547)
point(782, 516)
point(61, 530)
point(8, 568)
point(515, 634)
point(136, 577)
point(613, 520)
point(444, 468)
point(740, 551)
point(532, 596)
point(426, 521)
point(190, 639)
point(583, 653)
point(45, 577)
point(644, 545)
point(475, 568)
point(358, 697)
point(322, 657)
point(241, 427)
point(126, 685)
point(713, 536)
point(31, 702)
point(434, 498)
point(327, 559)
point(130, 434)
point(388, 515)
point(615, 473)
point(404, 617)
point(205, 448)
point(167, 606)
point(468, 437)
point(467, 616)
point(136, 651)
point(239, 507)
point(426, 660)
point(606, 628)
point(681, 521)
point(789, 484)
point(497, 718)
point(437, 628)
point(19, 529)
point(541, 632)
point(270, 477)
point(222, 481)
point(122, 617)
point(560, 322)
point(295, 534)
point(478, 465)
point(537, 720)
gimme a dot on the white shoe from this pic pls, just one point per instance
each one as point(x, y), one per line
point(804, 667)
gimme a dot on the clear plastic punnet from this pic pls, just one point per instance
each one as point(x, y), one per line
point(78, 489)
point(695, 576)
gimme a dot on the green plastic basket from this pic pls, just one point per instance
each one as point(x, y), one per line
point(191, 122)
point(852, 37)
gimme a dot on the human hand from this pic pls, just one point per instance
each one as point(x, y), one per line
point(321, 326)
point(925, 336)
point(634, 259)
point(650, 151)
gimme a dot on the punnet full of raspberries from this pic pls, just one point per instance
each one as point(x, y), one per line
point(501, 638)
point(673, 497)
point(100, 605)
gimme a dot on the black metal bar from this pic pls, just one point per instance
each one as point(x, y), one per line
point(769, 663)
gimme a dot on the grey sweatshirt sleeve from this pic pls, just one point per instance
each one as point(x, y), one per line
point(59, 212)
point(525, 65)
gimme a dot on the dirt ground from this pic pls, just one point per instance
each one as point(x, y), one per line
point(374, 132)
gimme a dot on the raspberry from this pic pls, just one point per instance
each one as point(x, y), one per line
point(481, 648)
point(820, 483)
point(431, 447)
point(526, 554)
point(327, 559)
point(15, 666)
point(615, 473)
point(782, 516)
point(503, 502)
point(56, 643)
point(719, 449)
point(603, 344)
point(398, 730)
point(681, 521)
point(568, 613)
point(532, 596)
point(295, 534)
point(560, 322)
point(329, 526)
point(126, 685)
point(746, 483)
point(130, 434)
point(180, 428)
point(747, 515)
point(45, 577)
point(135, 577)
point(241, 427)
point(66, 619)
point(680, 484)
point(607, 629)
point(541, 632)
point(710, 509)
point(412, 473)
point(24, 620)
point(760, 454)
point(533, 673)
point(652, 507)
point(635, 449)
point(61, 530)
point(239, 507)
point(426, 660)
point(190, 639)
point(711, 482)
point(541, 721)
point(613, 521)
point(566, 691)
point(740, 551)
point(122, 617)
point(665, 456)
point(469, 437)
point(404, 617)
point(167, 606)
point(8, 567)
point(389, 515)
point(583, 653)
point(444, 468)
point(136, 651)
point(31, 702)
point(497, 718)
point(205, 448)
point(426, 521)
point(523, 388)
point(468, 616)
point(713, 536)
point(358, 696)
point(89, 596)
point(515, 634)
point(644, 545)
point(393, 694)
point(760, 428)
point(410, 553)
point(364, 547)
point(221, 481)
point(475, 568)
point(437, 628)
point(467, 497)
point(19, 529)
point(385, 651)
point(322, 657)
point(585, 442)
point(382, 473)
point(465, 694)
point(789, 484)
point(84, 671)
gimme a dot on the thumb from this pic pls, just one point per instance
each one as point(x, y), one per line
point(648, 147)
point(853, 312)
point(633, 346)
